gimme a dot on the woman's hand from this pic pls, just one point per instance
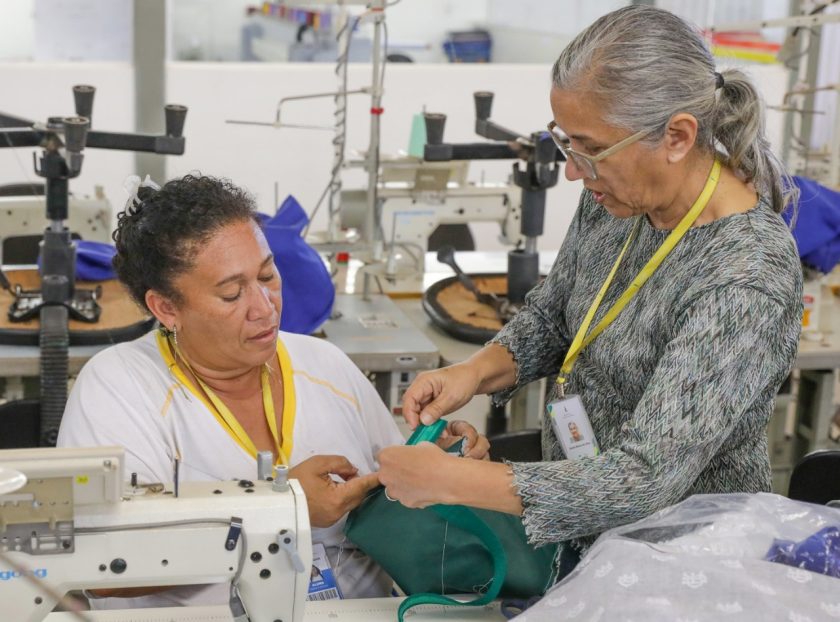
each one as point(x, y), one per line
point(434, 394)
point(415, 475)
point(422, 475)
point(475, 446)
point(327, 499)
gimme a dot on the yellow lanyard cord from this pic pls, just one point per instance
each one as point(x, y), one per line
point(231, 421)
point(582, 339)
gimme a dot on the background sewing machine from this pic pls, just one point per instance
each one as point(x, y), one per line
point(73, 526)
point(22, 205)
point(415, 198)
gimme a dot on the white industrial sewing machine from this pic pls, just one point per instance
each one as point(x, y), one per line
point(76, 525)
point(415, 198)
point(88, 216)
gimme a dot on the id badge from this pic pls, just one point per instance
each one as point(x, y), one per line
point(322, 582)
point(572, 427)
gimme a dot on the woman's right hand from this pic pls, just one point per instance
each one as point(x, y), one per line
point(434, 394)
point(327, 499)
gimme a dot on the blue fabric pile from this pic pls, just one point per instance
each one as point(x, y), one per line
point(93, 260)
point(817, 553)
point(308, 292)
point(817, 230)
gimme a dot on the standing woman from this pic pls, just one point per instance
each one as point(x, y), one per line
point(670, 317)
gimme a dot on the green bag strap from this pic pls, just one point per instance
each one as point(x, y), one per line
point(469, 521)
point(427, 433)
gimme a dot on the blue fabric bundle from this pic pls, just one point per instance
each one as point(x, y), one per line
point(308, 291)
point(817, 230)
point(93, 260)
point(817, 553)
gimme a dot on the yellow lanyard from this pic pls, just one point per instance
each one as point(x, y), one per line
point(233, 424)
point(582, 339)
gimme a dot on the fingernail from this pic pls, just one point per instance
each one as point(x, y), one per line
point(427, 419)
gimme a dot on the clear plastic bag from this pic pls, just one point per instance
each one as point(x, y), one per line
point(706, 558)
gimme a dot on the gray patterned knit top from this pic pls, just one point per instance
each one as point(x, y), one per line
point(679, 388)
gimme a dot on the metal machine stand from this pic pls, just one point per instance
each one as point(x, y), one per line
point(63, 140)
point(540, 173)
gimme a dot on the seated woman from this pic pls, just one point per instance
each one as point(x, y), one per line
point(218, 383)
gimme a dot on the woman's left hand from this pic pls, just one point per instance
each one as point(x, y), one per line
point(476, 445)
point(422, 475)
point(416, 475)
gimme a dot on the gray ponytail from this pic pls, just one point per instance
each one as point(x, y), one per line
point(739, 129)
point(644, 65)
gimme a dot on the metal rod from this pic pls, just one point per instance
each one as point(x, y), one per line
point(531, 245)
point(343, 39)
point(315, 96)
point(371, 230)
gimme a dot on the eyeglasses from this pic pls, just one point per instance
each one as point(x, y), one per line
point(586, 163)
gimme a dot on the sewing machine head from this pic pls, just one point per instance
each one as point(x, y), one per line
point(76, 525)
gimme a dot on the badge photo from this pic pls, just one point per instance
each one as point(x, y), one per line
point(572, 427)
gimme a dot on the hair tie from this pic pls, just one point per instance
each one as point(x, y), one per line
point(132, 185)
point(719, 82)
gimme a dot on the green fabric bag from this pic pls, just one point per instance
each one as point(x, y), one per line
point(449, 549)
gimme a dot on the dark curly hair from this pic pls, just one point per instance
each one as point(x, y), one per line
point(157, 236)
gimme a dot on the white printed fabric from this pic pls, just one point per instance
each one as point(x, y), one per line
point(713, 571)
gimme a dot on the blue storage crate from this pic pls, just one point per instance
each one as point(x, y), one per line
point(468, 47)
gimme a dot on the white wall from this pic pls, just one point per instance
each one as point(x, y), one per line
point(721, 12)
point(17, 30)
point(256, 157)
point(57, 30)
point(549, 16)
point(83, 30)
point(536, 31)
point(206, 29)
point(299, 160)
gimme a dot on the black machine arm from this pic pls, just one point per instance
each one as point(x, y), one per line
point(468, 151)
point(483, 125)
point(63, 141)
point(18, 132)
point(541, 172)
point(538, 147)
